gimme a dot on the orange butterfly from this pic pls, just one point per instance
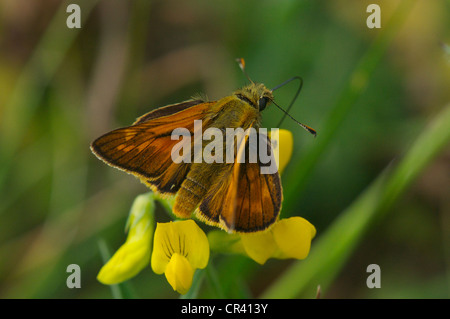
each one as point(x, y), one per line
point(235, 196)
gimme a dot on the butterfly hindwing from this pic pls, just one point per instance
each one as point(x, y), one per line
point(242, 199)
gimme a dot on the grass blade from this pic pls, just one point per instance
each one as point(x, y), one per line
point(295, 182)
point(332, 249)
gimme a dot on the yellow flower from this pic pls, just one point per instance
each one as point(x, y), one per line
point(287, 238)
point(179, 248)
point(283, 145)
point(134, 254)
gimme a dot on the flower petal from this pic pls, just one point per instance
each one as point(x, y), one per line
point(182, 237)
point(134, 254)
point(196, 243)
point(283, 144)
point(293, 237)
point(161, 249)
point(126, 263)
point(259, 246)
point(179, 273)
point(143, 208)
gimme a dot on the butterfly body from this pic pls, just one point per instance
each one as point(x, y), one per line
point(234, 196)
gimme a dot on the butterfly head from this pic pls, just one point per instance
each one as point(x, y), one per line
point(255, 94)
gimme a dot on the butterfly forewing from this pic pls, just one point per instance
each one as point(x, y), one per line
point(144, 149)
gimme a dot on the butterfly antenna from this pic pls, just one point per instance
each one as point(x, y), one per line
point(286, 113)
point(306, 127)
point(241, 63)
point(295, 97)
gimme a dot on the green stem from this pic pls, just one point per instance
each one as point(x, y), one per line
point(214, 281)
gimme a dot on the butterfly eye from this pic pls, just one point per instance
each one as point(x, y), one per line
point(262, 103)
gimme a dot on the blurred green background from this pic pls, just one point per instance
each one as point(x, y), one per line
point(368, 92)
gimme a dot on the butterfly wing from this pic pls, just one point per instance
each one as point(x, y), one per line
point(243, 199)
point(144, 149)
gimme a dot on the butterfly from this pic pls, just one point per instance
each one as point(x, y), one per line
point(235, 195)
